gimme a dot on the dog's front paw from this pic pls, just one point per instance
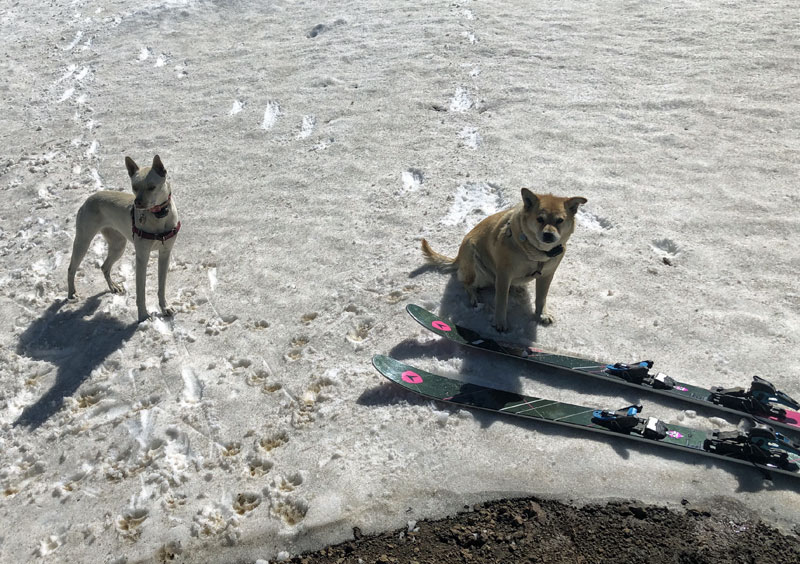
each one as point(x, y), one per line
point(501, 325)
point(167, 311)
point(545, 318)
point(115, 288)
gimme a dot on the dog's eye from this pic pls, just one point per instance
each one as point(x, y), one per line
point(559, 221)
point(540, 219)
point(151, 188)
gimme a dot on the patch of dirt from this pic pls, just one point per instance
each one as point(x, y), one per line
point(543, 531)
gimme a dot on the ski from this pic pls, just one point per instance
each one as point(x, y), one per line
point(760, 447)
point(761, 401)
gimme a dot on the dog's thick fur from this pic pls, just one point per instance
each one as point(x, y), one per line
point(514, 247)
point(109, 213)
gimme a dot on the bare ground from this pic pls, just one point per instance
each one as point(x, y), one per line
point(535, 530)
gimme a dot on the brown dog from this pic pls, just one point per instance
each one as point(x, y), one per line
point(514, 247)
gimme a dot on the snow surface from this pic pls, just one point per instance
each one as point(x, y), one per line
point(311, 145)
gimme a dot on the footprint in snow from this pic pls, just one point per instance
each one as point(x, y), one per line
point(261, 378)
point(307, 126)
point(217, 325)
point(472, 201)
point(413, 178)
point(128, 524)
point(297, 344)
point(316, 30)
point(236, 108)
point(271, 114)
point(273, 441)
point(461, 101)
point(284, 502)
point(593, 222)
point(74, 42)
point(246, 502)
point(470, 137)
point(66, 95)
point(668, 249)
point(319, 29)
point(360, 331)
point(258, 465)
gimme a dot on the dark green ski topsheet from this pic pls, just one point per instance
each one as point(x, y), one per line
point(681, 390)
point(456, 392)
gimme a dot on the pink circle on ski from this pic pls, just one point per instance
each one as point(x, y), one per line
point(441, 326)
point(410, 377)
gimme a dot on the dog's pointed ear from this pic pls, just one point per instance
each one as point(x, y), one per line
point(572, 204)
point(132, 167)
point(158, 166)
point(530, 199)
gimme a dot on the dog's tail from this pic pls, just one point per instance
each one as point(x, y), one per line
point(443, 263)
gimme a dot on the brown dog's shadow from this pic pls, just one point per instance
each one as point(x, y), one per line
point(521, 322)
point(75, 340)
point(455, 306)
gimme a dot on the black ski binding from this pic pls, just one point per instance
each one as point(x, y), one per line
point(625, 420)
point(760, 445)
point(639, 373)
point(766, 393)
point(757, 400)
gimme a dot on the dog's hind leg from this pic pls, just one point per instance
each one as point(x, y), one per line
point(116, 246)
point(501, 288)
point(83, 238)
point(468, 277)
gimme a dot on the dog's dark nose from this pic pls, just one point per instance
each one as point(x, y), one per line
point(548, 237)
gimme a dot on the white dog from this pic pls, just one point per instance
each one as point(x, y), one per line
point(148, 218)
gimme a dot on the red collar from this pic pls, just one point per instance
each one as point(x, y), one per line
point(160, 210)
point(154, 236)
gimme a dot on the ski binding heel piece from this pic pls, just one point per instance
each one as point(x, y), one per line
point(765, 392)
point(757, 400)
point(760, 445)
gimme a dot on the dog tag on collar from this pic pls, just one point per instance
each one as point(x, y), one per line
point(162, 213)
point(522, 237)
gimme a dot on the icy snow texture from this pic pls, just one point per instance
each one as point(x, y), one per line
point(252, 426)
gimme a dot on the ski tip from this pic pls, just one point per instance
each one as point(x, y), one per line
point(378, 360)
point(412, 309)
point(384, 364)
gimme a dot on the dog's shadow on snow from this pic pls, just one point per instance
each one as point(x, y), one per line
point(455, 305)
point(77, 341)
